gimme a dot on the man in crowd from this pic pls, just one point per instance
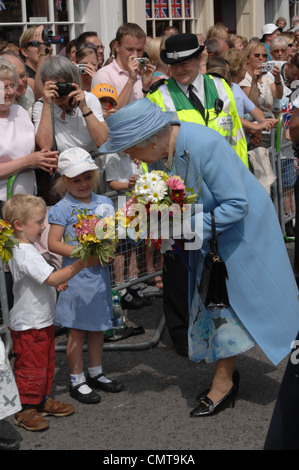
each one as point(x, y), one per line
point(91, 37)
point(125, 73)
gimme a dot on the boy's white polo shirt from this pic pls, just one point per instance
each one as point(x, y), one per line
point(34, 300)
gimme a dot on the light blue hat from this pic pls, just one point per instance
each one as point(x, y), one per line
point(133, 124)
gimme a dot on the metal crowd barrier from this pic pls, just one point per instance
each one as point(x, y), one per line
point(282, 160)
point(147, 263)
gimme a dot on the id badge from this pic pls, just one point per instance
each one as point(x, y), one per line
point(226, 122)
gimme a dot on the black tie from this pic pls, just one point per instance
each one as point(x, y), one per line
point(196, 101)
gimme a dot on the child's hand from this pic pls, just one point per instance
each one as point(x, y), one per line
point(131, 182)
point(62, 287)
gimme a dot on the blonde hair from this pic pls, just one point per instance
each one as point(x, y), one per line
point(154, 48)
point(253, 45)
point(20, 206)
point(61, 186)
point(27, 36)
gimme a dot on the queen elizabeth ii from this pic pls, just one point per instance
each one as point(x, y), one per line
point(262, 290)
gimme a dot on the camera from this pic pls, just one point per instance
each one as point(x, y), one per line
point(64, 89)
point(142, 61)
point(48, 38)
point(82, 69)
point(268, 66)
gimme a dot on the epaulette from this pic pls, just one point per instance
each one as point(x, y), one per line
point(157, 85)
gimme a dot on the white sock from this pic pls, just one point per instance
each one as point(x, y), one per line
point(94, 371)
point(80, 379)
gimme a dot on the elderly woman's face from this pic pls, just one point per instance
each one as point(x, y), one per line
point(280, 53)
point(8, 90)
point(144, 154)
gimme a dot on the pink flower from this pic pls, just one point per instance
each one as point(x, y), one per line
point(175, 183)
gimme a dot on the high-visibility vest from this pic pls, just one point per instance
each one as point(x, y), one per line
point(227, 122)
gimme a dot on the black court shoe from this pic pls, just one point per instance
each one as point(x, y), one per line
point(236, 382)
point(207, 408)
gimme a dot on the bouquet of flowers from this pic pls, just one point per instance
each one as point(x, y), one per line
point(163, 198)
point(7, 241)
point(95, 236)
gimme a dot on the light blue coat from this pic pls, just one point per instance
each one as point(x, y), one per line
point(261, 286)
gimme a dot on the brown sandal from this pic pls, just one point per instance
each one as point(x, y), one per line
point(31, 420)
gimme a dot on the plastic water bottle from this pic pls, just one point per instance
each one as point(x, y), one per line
point(118, 319)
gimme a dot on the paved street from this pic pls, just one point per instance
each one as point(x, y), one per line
point(153, 412)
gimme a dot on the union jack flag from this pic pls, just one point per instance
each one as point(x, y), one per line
point(286, 112)
point(2, 6)
point(161, 8)
point(187, 8)
point(176, 8)
point(148, 9)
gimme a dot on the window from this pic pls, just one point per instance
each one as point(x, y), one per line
point(163, 13)
point(63, 17)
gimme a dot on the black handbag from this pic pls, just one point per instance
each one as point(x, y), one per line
point(212, 288)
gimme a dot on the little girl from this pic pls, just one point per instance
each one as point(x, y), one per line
point(86, 306)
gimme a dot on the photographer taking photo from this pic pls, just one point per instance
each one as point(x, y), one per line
point(66, 116)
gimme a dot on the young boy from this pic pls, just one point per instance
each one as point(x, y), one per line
point(31, 318)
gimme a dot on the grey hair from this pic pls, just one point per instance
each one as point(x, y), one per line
point(8, 70)
point(155, 136)
point(278, 42)
point(60, 67)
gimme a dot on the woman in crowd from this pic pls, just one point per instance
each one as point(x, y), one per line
point(24, 93)
point(17, 143)
point(258, 85)
point(73, 116)
point(153, 50)
point(237, 62)
point(236, 42)
point(261, 284)
point(87, 62)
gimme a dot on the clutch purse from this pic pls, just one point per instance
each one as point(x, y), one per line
point(212, 288)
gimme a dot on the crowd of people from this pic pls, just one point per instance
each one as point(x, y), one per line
point(73, 126)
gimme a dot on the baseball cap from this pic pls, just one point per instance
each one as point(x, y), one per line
point(270, 28)
point(104, 90)
point(75, 161)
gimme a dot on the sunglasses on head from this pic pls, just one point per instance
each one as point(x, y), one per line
point(264, 56)
point(86, 44)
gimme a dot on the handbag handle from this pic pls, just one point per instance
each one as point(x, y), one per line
point(213, 241)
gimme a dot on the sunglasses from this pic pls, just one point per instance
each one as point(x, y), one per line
point(34, 43)
point(89, 44)
point(293, 44)
point(279, 50)
point(264, 56)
